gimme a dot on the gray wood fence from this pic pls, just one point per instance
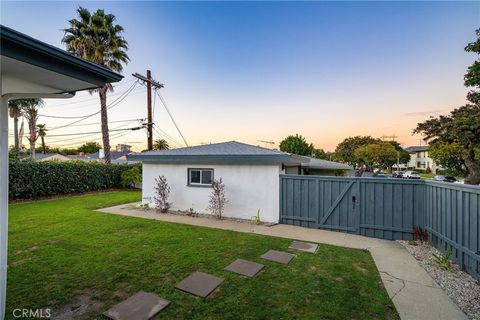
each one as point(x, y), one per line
point(388, 209)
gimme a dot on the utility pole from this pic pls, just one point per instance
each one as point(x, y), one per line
point(149, 83)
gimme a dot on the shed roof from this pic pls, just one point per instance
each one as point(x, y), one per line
point(314, 163)
point(224, 152)
point(413, 149)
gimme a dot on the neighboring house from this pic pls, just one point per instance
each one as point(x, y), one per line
point(250, 174)
point(118, 157)
point(51, 157)
point(420, 159)
point(309, 165)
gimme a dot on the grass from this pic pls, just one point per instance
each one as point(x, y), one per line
point(62, 249)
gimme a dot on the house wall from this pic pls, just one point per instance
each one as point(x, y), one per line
point(421, 160)
point(247, 188)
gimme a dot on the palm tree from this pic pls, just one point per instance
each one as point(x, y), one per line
point(31, 113)
point(96, 37)
point(15, 111)
point(161, 144)
point(42, 132)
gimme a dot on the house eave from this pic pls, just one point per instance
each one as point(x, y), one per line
point(211, 159)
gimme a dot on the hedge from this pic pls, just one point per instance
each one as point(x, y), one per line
point(33, 179)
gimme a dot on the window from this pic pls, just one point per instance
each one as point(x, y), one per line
point(200, 177)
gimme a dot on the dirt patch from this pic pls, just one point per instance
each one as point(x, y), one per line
point(82, 306)
point(21, 261)
point(358, 267)
point(312, 268)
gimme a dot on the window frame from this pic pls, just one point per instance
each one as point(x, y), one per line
point(200, 184)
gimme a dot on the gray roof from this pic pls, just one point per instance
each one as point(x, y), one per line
point(224, 152)
point(39, 155)
point(113, 155)
point(413, 149)
point(314, 163)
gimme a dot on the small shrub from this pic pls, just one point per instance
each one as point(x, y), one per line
point(443, 260)
point(192, 213)
point(131, 177)
point(420, 234)
point(162, 193)
point(217, 199)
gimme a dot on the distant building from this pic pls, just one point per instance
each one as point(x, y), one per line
point(420, 159)
point(123, 148)
point(50, 157)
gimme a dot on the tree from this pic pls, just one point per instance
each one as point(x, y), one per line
point(345, 150)
point(297, 145)
point(42, 132)
point(403, 156)
point(462, 125)
point(217, 202)
point(31, 113)
point(161, 144)
point(449, 156)
point(320, 154)
point(96, 37)
point(15, 108)
point(89, 147)
point(131, 177)
point(380, 154)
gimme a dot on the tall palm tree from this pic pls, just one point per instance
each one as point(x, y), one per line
point(161, 144)
point(96, 37)
point(15, 111)
point(31, 113)
point(42, 132)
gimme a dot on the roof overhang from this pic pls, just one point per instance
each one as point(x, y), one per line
point(34, 68)
point(211, 159)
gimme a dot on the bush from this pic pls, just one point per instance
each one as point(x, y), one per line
point(217, 198)
point(131, 177)
point(33, 179)
point(162, 193)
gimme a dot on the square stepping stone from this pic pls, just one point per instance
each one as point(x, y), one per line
point(140, 306)
point(278, 256)
point(199, 283)
point(304, 246)
point(244, 267)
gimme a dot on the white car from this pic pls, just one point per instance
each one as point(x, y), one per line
point(411, 175)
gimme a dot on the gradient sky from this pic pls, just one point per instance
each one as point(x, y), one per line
point(262, 70)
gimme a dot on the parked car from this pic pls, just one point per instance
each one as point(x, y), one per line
point(462, 181)
point(398, 174)
point(411, 175)
point(444, 178)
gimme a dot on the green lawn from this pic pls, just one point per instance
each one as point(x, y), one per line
point(62, 249)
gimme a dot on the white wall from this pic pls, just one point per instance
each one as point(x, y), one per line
point(247, 188)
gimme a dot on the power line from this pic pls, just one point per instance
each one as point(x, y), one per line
point(171, 117)
point(83, 133)
point(162, 133)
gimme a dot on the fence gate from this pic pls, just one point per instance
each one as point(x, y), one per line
point(320, 202)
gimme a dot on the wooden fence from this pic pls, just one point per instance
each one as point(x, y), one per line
point(388, 209)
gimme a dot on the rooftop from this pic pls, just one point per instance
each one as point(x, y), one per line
point(416, 149)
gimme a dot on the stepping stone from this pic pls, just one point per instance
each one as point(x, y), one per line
point(304, 246)
point(140, 306)
point(278, 256)
point(244, 267)
point(199, 283)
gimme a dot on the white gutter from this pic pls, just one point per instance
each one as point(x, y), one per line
point(4, 184)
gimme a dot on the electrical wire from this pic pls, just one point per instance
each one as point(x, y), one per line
point(171, 116)
point(164, 135)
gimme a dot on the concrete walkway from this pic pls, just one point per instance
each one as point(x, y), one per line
point(414, 293)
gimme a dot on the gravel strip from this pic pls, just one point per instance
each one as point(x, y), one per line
point(461, 287)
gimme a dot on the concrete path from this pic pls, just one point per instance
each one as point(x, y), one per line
point(414, 293)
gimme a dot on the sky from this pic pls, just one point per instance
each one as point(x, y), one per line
point(259, 71)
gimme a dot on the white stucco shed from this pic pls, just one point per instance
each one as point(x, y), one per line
point(250, 175)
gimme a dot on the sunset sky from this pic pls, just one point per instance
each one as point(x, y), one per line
point(263, 70)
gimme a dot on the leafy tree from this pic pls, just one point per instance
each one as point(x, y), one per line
point(15, 108)
point(96, 37)
point(345, 150)
point(320, 154)
point(403, 156)
point(380, 154)
point(89, 147)
point(297, 145)
point(161, 144)
point(30, 107)
point(42, 132)
point(462, 125)
point(449, 156)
